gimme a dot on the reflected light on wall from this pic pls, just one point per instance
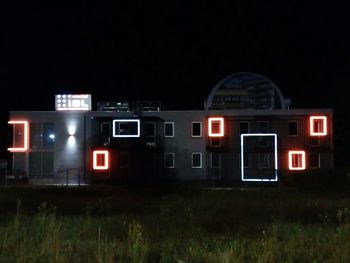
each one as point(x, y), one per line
point(25, 136)
point(71, 141)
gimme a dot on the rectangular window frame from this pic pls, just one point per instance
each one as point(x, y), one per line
point(173, 129)
point(200, 129)
point(297, 130)
point(173, 160)
point(201, 160)
point(154, 129)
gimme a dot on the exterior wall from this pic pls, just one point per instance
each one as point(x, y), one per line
point(74, 151)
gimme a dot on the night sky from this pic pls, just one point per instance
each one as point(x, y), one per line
point(173, 52)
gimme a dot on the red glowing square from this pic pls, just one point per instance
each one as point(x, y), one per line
point(100, 160)
point(296, 160)
point(216, 127)
point(21, 136)
point(318, 125)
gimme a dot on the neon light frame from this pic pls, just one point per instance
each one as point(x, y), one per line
point(127, 135)
point(242, 157)
point(312, 119)
point(221, 120)
point(106, 160)
point(25, 139)
point(290, 160)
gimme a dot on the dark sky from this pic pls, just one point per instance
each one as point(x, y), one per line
point(170, 51)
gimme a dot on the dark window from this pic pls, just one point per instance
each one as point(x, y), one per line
point(243, 127)
point(216, 142)
point(196, 160)
point(263, 128)
point(19, 164)
point(150, 129)
point(42, 135)
point(196, 129)
point(169, 160)
point(128, 128)
point(314, 141)
point(314, 160)
point(264, 160)
point(105, 129)
point(169, 129)
point(40, 164)
point(292, 128)
point(215, 160)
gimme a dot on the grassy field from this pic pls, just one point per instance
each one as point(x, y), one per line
point(114, 224)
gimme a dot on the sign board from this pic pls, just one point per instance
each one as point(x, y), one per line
point(73, 102)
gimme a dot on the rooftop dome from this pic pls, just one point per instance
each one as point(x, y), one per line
point(245, 90)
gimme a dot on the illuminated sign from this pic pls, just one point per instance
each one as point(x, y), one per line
point(243, 177)
point(296, 160)
point(100, 160)
point(20, 136)
point(318, 125)
point(216, 126)
point(73, 102)
point(126, 128)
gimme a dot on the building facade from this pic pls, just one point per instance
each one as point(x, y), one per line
point(245, 133)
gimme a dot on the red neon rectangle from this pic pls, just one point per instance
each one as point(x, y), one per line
point(318, 125)
point(296, 160)
point(25, 136)
point(101, 160)
point(216, 127)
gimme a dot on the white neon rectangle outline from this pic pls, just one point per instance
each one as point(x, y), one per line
point(25, 139)
point(201, 160)
point(290, 161)
point(127, 135)
point(221, 120)
point(312, 119)
point(106, 160)
point(242, 157)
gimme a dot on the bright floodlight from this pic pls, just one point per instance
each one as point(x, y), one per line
point(318, 125)
point(100, 160)
point(115, 122)
point(296, 160)
point(216, 121)
point(25, 136)
point(243, 177)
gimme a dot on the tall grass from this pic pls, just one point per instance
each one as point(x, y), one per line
point(184, 227)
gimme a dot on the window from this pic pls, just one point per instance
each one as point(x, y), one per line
point(215, 142)
point(216, 127)
point(215, 160)
point(264, 160)
point(318, 125)
point(246, 161)
point(40, 164)
point(263, 127)
point(123, 160)
point(196, 129)
point(243, 127)
point(169, 129)
point(196, 160)
point(292, 128)
point(105, 129)
point(150, 129)
point(169, 160)
point(296, 160)
point(20, 136)
point(19, 167)
point(126, 128)
point(315, 141)
point(42, 135)
point(314, 160)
